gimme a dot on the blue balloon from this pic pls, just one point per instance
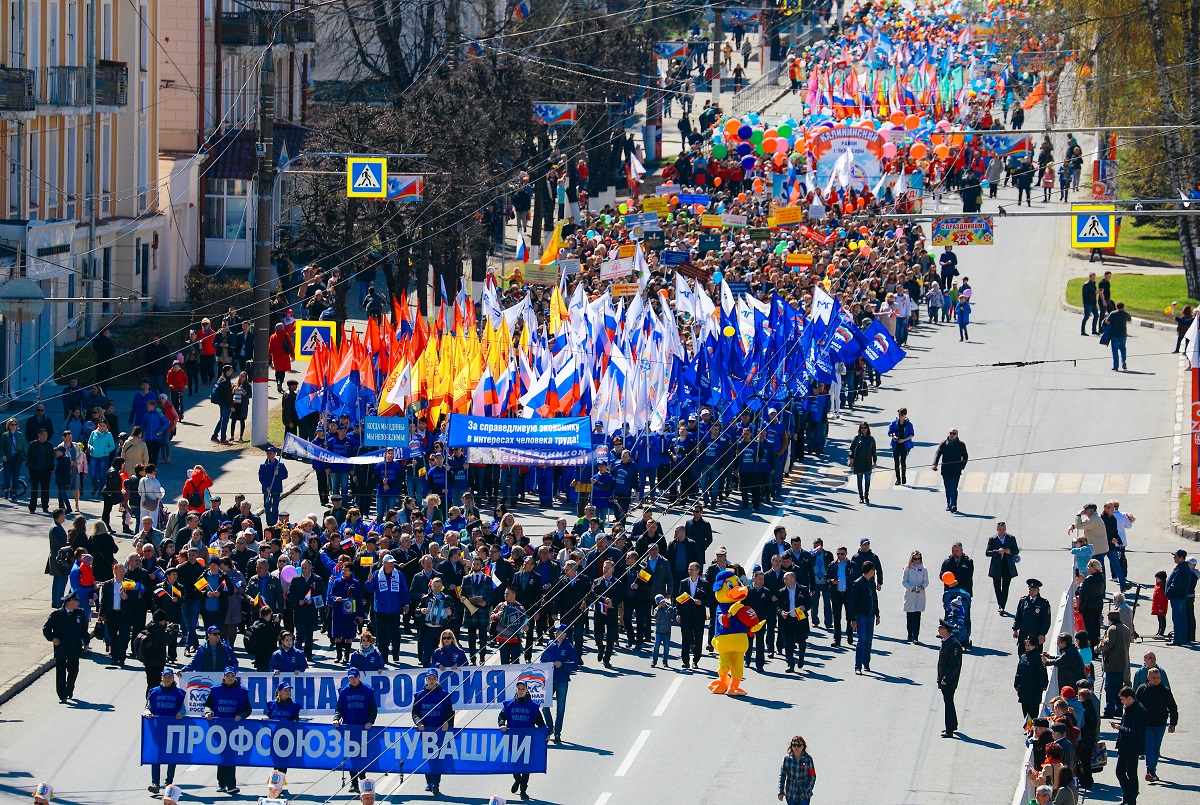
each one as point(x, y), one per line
point(744, 132)
point(717, 277)
point(753, 116)
point(841, 232)
point(744, 148)
point(718, 137)
point(721, 207)
point(748, 163)
point(591, 234)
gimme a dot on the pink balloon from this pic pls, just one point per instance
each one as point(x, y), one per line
point(889, 150)
point(287, 574)
point(781, 145)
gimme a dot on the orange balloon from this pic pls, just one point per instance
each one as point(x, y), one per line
point(911, 122)
point(731, 128)
point(770, 134)
point(941, 151)
point(741, 197)
point(862, 202)
point(847, 208)
point(768, 145)
point(918, 150)
point(896, 118)
point(779, 159)
point(956, 139)
point(699, 208)
point(674, 199)
point(948, 578)
point(758, 185)
point(716, 181)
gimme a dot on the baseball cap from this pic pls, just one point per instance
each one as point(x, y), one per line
point(353, 673)
point(864, 541)
point(562, 627)
point(284, 685)
point(389, 560)
point(231, 669)
point(212, 630)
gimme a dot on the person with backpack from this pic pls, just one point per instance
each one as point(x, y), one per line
point(165, 700)
point(151, 646)
point(263, 636)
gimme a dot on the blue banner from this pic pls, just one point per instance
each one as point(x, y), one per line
point(881, 350)
point(527, 434)
point(693, 198)
point(673, 257)
point(296, 447)
point(381, 750)
point(388, 431)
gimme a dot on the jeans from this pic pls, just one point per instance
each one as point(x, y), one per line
point(864, 484)
point(951, 484)
point(1090, 311)
point(900, 456)
point(1118, 569)
point(663, 640)
point(1154, 739)
point(1127, 775)
point(1117, 343)
point(901, 330)
point(221, 431)
point(12, 474)
point(933, 313)
point(191, 619)
point(58, 587)
point(1113, 682)
point(337, 483)
point(866, 633)
point(560, 706)
point(1179, 623)
point(710, 484)
point(98, 468)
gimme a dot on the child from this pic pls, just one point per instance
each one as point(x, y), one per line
point(962, 314)
point(62, 478)
point(1047, 183)
point(664, 619)
point(1158, 601)
point(1064, 181)
point(177, 382)
point(1083, 554)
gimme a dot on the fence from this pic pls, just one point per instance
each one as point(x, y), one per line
point(771, 86)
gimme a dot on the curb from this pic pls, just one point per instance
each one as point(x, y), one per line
point(18, 683)
point(1124, 260)
point(1148, 323)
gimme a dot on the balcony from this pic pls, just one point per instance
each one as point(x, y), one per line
point(18, 97)
point(252, 29)
point(112, 84)
point(65, 86)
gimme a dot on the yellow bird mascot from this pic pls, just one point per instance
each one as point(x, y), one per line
point(731, 638)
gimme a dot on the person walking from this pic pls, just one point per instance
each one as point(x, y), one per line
point(432, 711)
point(914, 578)
point(222, 395)
point(952, 456)
point(949, 669)
point(1003, 551)
point(690, 595)
point(1032, 618)
point(562, 655)
point(520, 713)
point(356, 707)
point(228, 700)
point(864, 603)
point(66, 628)
point(164, 701)
point(1162, 716)
point(798, 775)
point(901, 433)
point(1181, 585)
point(1116, 324)
point(863, 458)
point(1131, 742)
point(1031, 678)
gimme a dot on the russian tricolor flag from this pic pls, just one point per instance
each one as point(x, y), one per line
point(522, 249)
point(521, 11)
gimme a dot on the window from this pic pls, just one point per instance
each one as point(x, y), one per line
point(143, 38)
point(137, 256)
point(106, 269)
point(143, 164)
point(71, 295)
point(105, 166)
point(225, 208)
point(52, 54)
point(145, 274)
point(14, 178)
point(53, 181)
point(33, 53)
point(72, 140)
point(36, 177)
point(72, 22)
point(106, 31)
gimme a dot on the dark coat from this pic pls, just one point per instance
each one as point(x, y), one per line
point(70, 629)
point(963, 570)
point(949, 665)
point(952, 455)
point(863, 456)
point(1031, 678)
point(1003, 566)
point(863, 597)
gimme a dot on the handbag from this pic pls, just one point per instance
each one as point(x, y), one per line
point(1105, 336)
point(1099, 756)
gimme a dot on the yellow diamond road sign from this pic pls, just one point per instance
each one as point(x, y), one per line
point(366, 177)
point(1093, 226)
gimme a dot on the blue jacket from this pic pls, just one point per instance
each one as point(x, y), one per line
point(271, 475)
point(623, 474)
point(432, 708)
point(289, 661)
point(391, 593)
point(282, 711)
point(165, 701)
point(602, 489)
point(356, 705)
point(565, 653)
point(448, 657)
point(390, 471)
point(520, 715)
point(901, 434)
point(228, 701)
point(155, 425)
point(213, 658)
point(137, 412)
point(367, 661)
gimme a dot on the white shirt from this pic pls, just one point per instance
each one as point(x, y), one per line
point(1123, 522)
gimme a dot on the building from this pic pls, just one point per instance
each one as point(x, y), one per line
point(209, 64)
point(80, 179)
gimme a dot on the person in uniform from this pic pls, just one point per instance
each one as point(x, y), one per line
point(432, 711)
point(228, 700)
point(1032, 618)
point(66, 628)
point(948, 670)
point(356, 708)
point(165, 701)
point(521, 713)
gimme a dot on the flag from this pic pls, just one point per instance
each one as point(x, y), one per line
point(550, 254)
point(522, 250)
point(521, 11)
point(644, 575)
point(201, 584)
point(129, 585)
point(366, 561)
point(1192, 352)
point(881, 350)
point(683, 598)
point(310, 397)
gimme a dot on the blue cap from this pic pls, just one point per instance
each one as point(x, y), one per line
point(282, 685)
point(231, 669)
point(212, 630)
point(353, 673)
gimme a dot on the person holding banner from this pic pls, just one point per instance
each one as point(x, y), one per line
point(355, 708)
point(282, 708)
point(166, 701)
point(437, 612)
point(521, 713)
point(227, 700)
point(432, 711)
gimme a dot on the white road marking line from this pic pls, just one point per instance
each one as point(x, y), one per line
point(768, 533)
point(997, 484)
point(1139, 484)
point(1043, 484)
point(633, 753)
point(666, 699)
point(193, 767)
point(1092, 483)
point(603, 798)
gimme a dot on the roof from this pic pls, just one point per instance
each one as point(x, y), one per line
point(233, 154)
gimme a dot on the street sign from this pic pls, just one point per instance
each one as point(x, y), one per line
point(1093, 226)
point(966, 230)
point(366, 177)
point(311, 332)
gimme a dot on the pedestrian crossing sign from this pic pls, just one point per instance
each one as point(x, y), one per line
point(1093, 226)
point(310, 333)
point(366, 177)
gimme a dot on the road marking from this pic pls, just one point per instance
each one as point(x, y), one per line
point(1092, 483)
point(997, 484)
point(1068, 483)
point(604, 798)
point(973, 481)
point(1115, 484)
point(929, 478)
point(1043, 484)
point(1022, 483)
point(633, 753)
point(1139, 484)
point(666, 699)
point(193, 767)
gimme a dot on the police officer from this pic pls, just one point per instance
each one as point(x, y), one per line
point(166, 701)
point(521, 713)
point(228, 700)
point(355, 707)
point(1033, 615)
point(433, 712)
point(949, 669)
point(66, 628)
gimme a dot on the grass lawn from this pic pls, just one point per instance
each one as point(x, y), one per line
point(1145, 295)
point(1185, 512)
point(1149, 243)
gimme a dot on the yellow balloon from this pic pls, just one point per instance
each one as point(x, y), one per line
point(852, 245)
point(728, 331)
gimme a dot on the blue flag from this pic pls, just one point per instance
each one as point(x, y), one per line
point(881, 350)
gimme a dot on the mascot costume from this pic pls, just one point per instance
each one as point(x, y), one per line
point(731, 638)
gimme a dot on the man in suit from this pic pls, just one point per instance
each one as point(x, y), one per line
point(692, 614)
point(864, 603)
point(680, 553)
point(794, 604)
point(58, 573)
point(1003, 551)
point(761, 600)
point(607, 595)
point(570, 595)
point(117, 612)
point(699, 531)
point(949, 669)
point(300, 594)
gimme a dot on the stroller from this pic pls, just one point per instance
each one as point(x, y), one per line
point(957, 605)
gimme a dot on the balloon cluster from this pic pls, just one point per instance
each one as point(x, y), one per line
point(747, 138)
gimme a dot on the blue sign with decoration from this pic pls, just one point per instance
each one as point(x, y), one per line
point(386, 431)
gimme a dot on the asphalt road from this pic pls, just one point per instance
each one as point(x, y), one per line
point(1043, 438)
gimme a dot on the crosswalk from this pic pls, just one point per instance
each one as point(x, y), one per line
point(991, 483)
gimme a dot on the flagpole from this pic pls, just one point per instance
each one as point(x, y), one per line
point(1194, 481)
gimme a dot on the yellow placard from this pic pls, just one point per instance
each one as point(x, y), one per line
point(540, 275)
point(625, 250)
point(785, 216)
point(656, 204)
point(796, 259)
point(624, 288)
point(712, 221)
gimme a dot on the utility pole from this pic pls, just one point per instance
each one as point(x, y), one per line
point(718, 39)
point(263, 229)
point(90, 183)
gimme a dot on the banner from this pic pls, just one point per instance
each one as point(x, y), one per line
point(474, 688)
point(656, 205)
point(554, 114)
point(671, 50)
point(1006, 144)
point(881, 350)
point(866, 146)
point(616, 269)
point(966, 230)
point(528, 434)
point(386, 431)
point(817, 237)
point(673, 257)
point(788, 216)
point(381, 750)
point(405, 187)
point(296, 447)
point(514, 456)
point(536, 274)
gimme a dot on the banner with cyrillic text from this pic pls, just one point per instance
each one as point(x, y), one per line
point(516, 457)
point(296, 447)
point(471, 688)
point(527, 434)
point(382, 750)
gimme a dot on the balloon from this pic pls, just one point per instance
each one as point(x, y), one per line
point(732, 128)
point(748, 163)
point(782, 146)
point(743, 132)
point(622, 208)
point(853, 245)
point(784, 130)
point(744, 148)
point(847, 208)
point(911, 122)
point(591, 234)
point(741, 197)
point(768, 145)
point(896, 118)
point(889, 150)
point(865, 251)
point(867, 124)
point(861, 202)
point(862, 230)
point(943, 125)
point(918, 150)
point(758, 185)
point(287, 574)
point(758, 149)
point(674, 199)
point(719, 151)
point(718, 277)
point(771, 133)
point(756, 136)
point(941, 151)
point(752, 118)
point(780, 159)
point(716, 181)
point(948, 578)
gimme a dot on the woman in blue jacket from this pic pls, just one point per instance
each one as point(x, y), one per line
point(521, 713)
point(367, 657)
point(901, 433)
point(448, 655)
point(283, 708)
point(346, 608)
point(288, 659)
